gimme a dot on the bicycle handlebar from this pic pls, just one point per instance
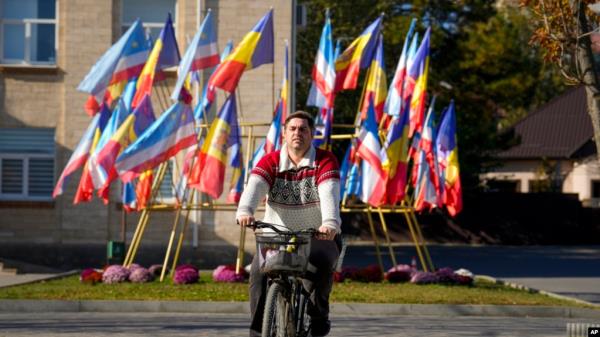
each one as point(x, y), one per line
point(257, 224)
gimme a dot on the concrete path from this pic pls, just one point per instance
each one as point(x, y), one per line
point(146, 324)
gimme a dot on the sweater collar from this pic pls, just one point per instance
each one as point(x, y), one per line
point(286, 164)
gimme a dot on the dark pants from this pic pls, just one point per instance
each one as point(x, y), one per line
point(323, 255)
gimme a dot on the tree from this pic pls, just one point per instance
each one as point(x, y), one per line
point(479, 57)
point(563, 30)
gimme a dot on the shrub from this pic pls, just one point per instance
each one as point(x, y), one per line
point(226, 273)
point(115, 274)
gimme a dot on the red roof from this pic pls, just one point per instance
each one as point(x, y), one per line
point(558, 129)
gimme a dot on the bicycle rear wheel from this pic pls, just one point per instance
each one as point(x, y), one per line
point(277, 319)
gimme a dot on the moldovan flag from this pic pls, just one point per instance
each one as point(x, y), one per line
point(122, 62)
point(394, 103)
point(376, 90)
point(202, 53)
point(165, 53)
point(171, 133)
point(208, 173)
point(134, 125)
point(255, 49)
point(396, 157)
point(368, 149)
point(357, 56)
point(447, 150)
point(418, 75)
point(322, 92)
point(82, 151)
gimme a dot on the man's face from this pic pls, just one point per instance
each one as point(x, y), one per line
point(298, 134)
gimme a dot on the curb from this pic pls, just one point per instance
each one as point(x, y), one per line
point(535, 291)
point(338, 309)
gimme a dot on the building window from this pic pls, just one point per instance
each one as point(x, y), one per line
point(166, 189)
point(28, 32)
point(153, 14)
point(596, 189)
point(26, 164)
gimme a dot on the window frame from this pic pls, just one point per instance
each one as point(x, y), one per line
point(150, 25)
point(24, 195)
point(28, 22)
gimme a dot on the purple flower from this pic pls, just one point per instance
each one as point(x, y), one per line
point(399, 273)
point(423, 277)
point(185, 274)
point(156, 269)
point(226, 273)
point(115, 274)
point(140, 275)
point(445, 275)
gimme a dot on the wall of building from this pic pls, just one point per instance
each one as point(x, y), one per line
point(577, 175)
point(32, 97)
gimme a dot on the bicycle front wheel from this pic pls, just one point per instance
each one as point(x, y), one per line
point(277, 319)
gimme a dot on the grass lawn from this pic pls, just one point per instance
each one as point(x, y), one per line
point(482, 292)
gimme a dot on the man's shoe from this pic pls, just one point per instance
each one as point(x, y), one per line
point(319, 327)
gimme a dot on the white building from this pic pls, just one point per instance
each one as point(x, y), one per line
point(555, 152)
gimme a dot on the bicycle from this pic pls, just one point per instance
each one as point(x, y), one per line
point(283, 257)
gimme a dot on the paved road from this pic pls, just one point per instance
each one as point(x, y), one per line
point(572, 271)
point(103, 324)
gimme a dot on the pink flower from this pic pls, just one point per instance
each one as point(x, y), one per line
point(423, 277)
point(399, 273)
point(226, 273)
point(464, 276)
point(445, 275)
point(115, 274)
point(185, 274)
point(140, 275)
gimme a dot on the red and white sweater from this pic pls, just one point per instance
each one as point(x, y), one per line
point(300, 196)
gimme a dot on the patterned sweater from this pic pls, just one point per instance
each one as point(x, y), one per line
point(298, 197)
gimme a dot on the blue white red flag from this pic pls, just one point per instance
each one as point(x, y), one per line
point(322, 89)
point(202, 53)
point(369, 150)
point(82, 151)
point(393, 102)
point(171, 133)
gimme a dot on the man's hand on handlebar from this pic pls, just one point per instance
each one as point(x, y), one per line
point(245, 220)
point(325, 233)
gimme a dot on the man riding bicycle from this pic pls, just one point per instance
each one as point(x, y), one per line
point(302, 185)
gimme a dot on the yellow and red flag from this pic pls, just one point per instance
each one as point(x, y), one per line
point(255, 49)
point(357, 56)
point(376, 90)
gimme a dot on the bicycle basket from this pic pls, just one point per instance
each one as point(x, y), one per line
point(282, 252)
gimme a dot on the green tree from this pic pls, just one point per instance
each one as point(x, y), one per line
point(479, 57)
